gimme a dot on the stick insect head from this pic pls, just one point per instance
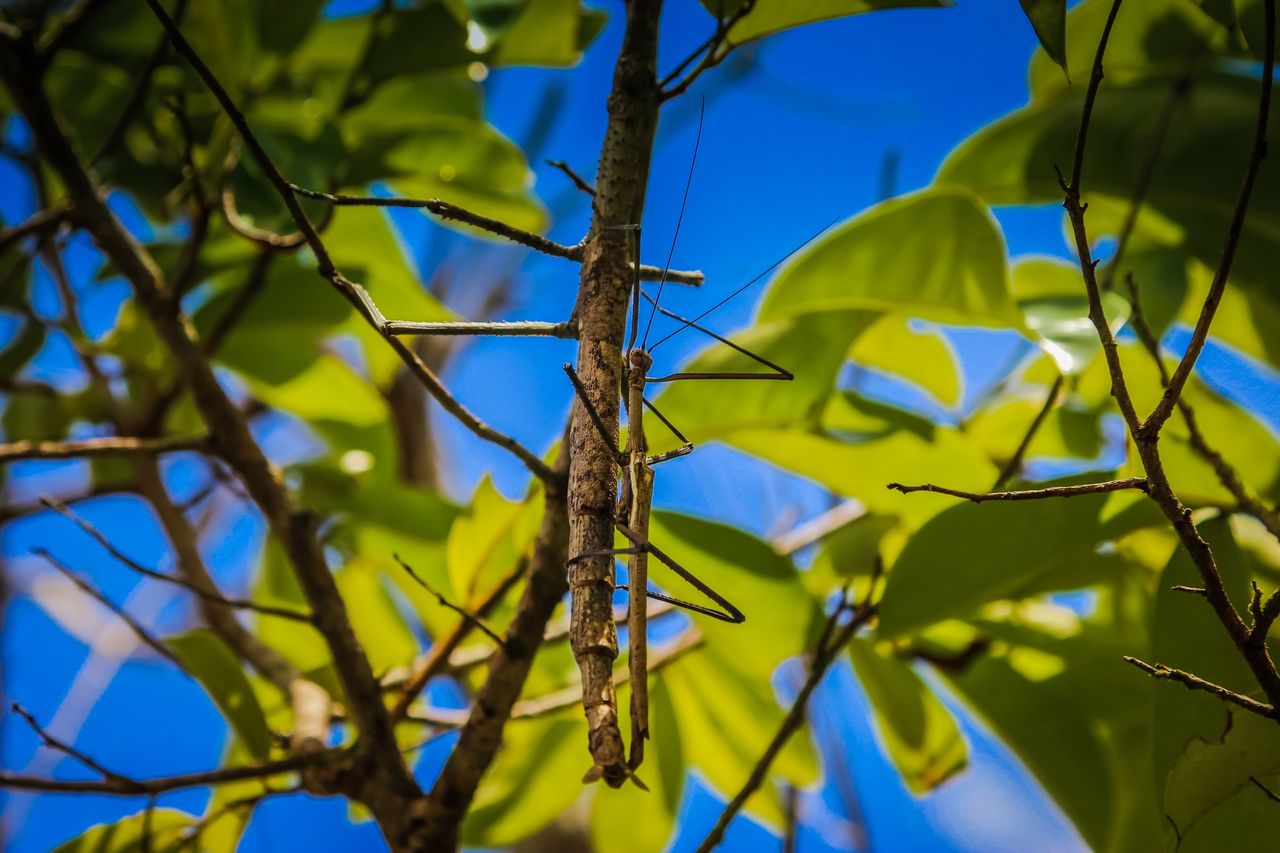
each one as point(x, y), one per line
point(639, 359)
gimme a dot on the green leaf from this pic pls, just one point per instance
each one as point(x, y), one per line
point(1040, 703)
point(533, 780)
point(483, 546)
point(1068, 432)
point(1011, 162)
point(1195, 733)
point(1151, 38)
point(282, 24)
point(726, 720)
point(167, 831)
point(1207, 774)
point(1187, 635)
point(851, 551)
point(549, 32)
point(1244, 322)
point(21, 349)
point(918, 732)
point(36, 414)
point(780, 614)
point(771, 16)
point(383, 634)
point(1222, 11)
point(89, 95)
point(207, 657)
point(1049, 18)
point(921, 356)
point(493, 17)
point(860, 465)
point(937, 255)
point(972, 554)
point(1051, 295)
point(301, 644)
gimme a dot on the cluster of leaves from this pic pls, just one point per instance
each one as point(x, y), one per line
point(1118, 754)
point(391, 99)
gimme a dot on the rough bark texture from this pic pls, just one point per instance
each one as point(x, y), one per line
point(436, 821)
point(602, 308)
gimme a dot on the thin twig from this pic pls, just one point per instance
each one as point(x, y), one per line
point(64, 747)
point(710, 52)
point(445, 210)
point(1271, 795)
point(138, 96)
point(578, 181)
point(1075, 212)
point(164, 784)
point(1139, 483)
point(93, 592)
point(91, 447)
point(351, 291)
point(101, 538)
point(1226, 474)
point(437, 657)
point(1014, 465)
point(1258, 151)
point(1195, 682)
point(1146, 172)
point(38, 224)
point(466, 614)
point(795, 718)
point(1146, 435)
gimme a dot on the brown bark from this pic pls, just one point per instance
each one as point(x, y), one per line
point(601, 309)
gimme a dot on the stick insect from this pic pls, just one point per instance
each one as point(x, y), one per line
point(635, 485)
point(635, 498)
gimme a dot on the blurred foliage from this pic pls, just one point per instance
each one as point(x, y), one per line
point(390, 101)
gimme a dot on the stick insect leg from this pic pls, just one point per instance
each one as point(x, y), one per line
point(728, 614)
point(516, 328)
point(685, 450)
point(619, 456)
point(778, 372)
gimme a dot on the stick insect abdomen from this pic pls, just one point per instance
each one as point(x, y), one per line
point(640, 479)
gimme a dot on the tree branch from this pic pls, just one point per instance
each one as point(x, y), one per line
point(65, 748)
point(1014, 465)
point(386, 790)
point(710, 52)
point(1194, 682)
point(1258, 151)
point(438, 818)
point(833, 640)
point(349, 290)
point(476, 621)
point(1138, 483)
point(1226, 474)
point(445, 210)
point(145, 787)
point(578, 181)
point(1146, 435)
point(91, 447)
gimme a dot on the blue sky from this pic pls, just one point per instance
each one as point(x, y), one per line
point(797, 142)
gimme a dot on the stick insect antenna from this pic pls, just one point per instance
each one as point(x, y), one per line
point(697, 142)
point(740, 290)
